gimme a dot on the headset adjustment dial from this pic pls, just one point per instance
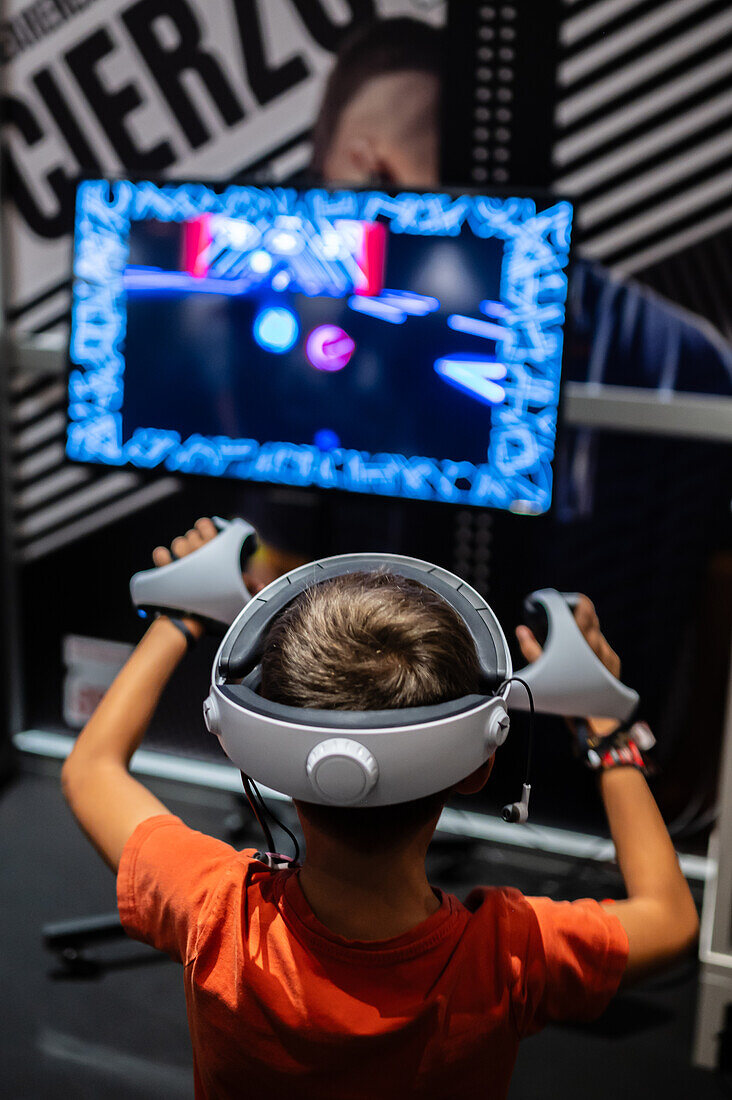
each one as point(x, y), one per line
point(342, 771)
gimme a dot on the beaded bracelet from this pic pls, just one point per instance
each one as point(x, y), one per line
point(625, 747)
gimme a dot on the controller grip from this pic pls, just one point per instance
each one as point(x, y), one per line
point(206, 584)
point(568, 678)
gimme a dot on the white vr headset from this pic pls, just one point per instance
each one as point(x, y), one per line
point(368, 758)
point(357, 758)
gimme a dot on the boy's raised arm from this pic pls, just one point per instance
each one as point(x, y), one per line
point(659, 915)
point(105, 799)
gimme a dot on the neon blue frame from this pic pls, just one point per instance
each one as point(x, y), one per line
point(517, 474)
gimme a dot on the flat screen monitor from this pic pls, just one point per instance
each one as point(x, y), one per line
point(407, 345)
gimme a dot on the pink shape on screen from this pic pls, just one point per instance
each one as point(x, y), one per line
point(197, 237)
point(329, 348)
point(367, 243)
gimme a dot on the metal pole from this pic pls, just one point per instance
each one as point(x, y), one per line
point(715, 947)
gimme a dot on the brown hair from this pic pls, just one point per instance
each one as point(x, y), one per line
point(381, 47)
point(369, 641)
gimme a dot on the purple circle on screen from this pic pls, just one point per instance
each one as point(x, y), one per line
point(329, 348)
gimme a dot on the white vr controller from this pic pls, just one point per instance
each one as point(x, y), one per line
point(568, 678)
point(207, 585)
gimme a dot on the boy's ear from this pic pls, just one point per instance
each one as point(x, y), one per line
point(476, 780)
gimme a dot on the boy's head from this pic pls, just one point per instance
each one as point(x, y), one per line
point(369, 641)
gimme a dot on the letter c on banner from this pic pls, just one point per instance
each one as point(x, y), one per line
point(326, 32)
point(18, 114)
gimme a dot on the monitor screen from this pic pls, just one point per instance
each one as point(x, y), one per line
point(401, 344)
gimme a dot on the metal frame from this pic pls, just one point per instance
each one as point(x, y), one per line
point(648, 412)
point(715, 947)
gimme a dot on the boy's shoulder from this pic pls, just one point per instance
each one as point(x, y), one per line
point(539, 926)
point(501, 903)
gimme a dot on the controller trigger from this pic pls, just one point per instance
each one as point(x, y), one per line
point(537, 619)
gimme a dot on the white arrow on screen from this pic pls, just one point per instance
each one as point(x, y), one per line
point(476, 375)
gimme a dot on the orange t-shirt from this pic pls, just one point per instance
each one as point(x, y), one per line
point(280, 1006)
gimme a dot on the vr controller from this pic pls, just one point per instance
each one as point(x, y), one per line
point(207, 585)
point(370, 758)
point(568, 678)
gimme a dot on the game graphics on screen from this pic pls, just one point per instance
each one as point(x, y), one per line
point(407, 345)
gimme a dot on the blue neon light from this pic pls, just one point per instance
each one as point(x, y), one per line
point(276, 329)
point(494, 309)
point(417, 304)
point(281, 280)
point(153, 280)
point(533, 286)
point(376, 307)
point(475, 374)
point(475, 327)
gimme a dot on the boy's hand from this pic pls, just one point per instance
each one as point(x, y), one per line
point(202, 532)
point(264, 566)
point(589, 624)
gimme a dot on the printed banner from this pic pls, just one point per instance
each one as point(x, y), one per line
point(182, 88)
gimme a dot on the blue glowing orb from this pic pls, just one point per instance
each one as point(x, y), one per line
point(326, 439)
point(329, 348)
point(276, 329)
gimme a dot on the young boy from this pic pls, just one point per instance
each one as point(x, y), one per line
point(352, 977)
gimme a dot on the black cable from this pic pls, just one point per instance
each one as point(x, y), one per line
point(293, 838)
point(260, 809)
point(518, 680)
point(248, 791)
point(268, 810)
point(256, 810)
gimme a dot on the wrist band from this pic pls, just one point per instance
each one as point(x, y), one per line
point(625, 747)
point(181, 626)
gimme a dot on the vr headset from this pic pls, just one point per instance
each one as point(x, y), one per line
point(369, 758)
